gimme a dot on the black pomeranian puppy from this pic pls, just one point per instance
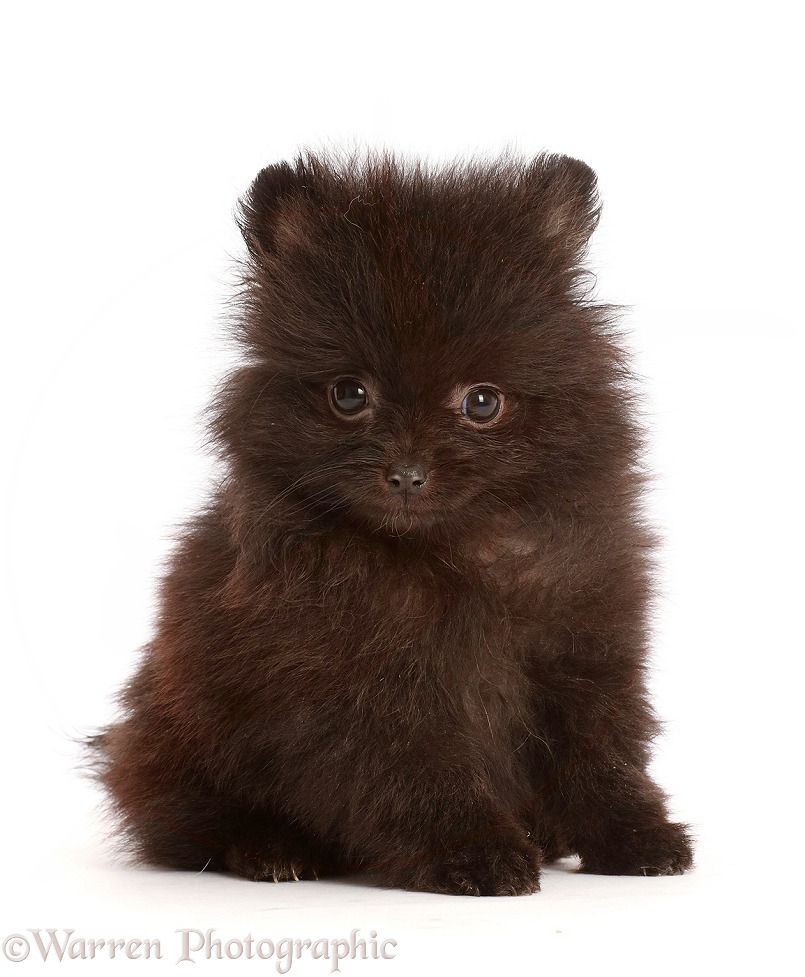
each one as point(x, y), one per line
point(408, 635)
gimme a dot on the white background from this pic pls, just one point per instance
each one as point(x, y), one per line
point(128, 132)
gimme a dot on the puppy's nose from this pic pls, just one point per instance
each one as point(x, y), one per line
point(407, 479)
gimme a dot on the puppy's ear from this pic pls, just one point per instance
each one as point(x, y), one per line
point(274, 207)
point(565, 199)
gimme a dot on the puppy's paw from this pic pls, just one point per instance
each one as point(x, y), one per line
point(270, 864)
point(665, 849)
point(489, 867)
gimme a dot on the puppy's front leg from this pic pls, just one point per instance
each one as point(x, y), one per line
point(599, 795)
point(439, 829)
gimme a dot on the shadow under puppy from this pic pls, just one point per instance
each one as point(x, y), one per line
point(408, 634)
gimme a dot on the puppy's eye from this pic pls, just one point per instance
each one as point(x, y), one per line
point(348, 396)
point(482, 404)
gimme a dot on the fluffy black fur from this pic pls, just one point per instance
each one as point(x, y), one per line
point(408, 639)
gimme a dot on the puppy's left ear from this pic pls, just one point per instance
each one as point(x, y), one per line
point(565, 198)
point(274, 207)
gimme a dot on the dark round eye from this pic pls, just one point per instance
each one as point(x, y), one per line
point(348, 396)
point(482, 404)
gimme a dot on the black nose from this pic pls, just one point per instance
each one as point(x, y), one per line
point(407, 479)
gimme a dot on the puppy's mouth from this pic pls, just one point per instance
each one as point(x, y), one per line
point(405, 520)
point(405, 513)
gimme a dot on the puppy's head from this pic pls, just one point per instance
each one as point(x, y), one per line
point(419, 356)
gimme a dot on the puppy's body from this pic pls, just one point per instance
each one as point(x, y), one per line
point(408, 634)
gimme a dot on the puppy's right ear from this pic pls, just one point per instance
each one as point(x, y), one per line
point(268, 215)
point(565, 200)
